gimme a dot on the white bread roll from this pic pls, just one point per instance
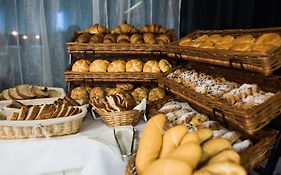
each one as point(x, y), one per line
point(164, 65)
point(172, 139)
point(134, 66)
point(79, 93)
point(117, 66)
point(168, 167)
point(190, 137)
point(225, 168)
point(204, 134)
point(150, 143)
point(99, 66)
point(214, 146)
point(228, 155)
point(81, 66)
point(151, 67)
point(190, 153)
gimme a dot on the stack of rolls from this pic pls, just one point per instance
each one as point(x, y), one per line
point(125, 33)
point(175, 151)
point(134, 65)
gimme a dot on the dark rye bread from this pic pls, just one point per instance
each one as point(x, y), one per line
point(23, 113)
point(13, 94)
point(45, 112)
point(33, 112)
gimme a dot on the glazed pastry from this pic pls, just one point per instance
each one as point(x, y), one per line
point(83, 38)
point(136, 39)
point(97, 38)
point(149, 38)
point(123, 38)
point(124, 28)
point(152, 28)
point(81, 66)
point(109, 38)
point(97, 28)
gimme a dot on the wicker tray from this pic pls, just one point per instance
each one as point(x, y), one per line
point(41, 128)
point(249, 121)
point(117, 48)
point(265, 63)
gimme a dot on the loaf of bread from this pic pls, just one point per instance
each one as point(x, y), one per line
point(225, 168)
point(117, 66)
point(97, 29)
point(190, 137)
point(214, 146)
point(134, 66)
point(151, 67)
point(164, 65)
point(81, 66)
point(99, 66)
point(151, 138)
point(225, 156)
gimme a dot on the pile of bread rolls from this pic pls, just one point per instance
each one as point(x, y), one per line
point(133, 65)
point(263, 43)
point(125, 33)
point(176, 151)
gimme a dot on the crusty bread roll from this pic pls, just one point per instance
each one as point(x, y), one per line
point(139, 94)
point(149, 38)
point(188, 152)
point(185, 42)
point(190, 137)
point(125, 86)
point(83, 38)
point(150, 143)
point(99, 66)
point(164, 65)
point(168, 167)
point(225, 168)
point(172, 139)
point(152, 67)
point(134, 66)
point(79, 93)
point(97, 38)
point(269, 38)
point(156, 94)
point(81, 66)
point(225, 156)
point(204, 134)
point(117, 66)
point(97, 92)
point(214, 146)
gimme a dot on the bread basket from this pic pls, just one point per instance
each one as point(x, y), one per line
point(40, 128)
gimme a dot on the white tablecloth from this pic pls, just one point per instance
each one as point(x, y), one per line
point(74, 154)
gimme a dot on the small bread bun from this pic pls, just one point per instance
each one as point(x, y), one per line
point(81, 66)
point(214, 146)
point(152, 67)
point(164, 65)
point(79, 93)
point(97, 92)
point(139, 94)
point(99, 66)
point(190, 137)
point(168, 167)
point(117, 66)
point(225, 156)
point(125, 86)
point(134, 66)
point(269, 38)
point(156, 94)
point(225, 168)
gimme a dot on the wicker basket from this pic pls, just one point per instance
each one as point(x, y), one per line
point(41, 128)
point(265, 63)
point(249, 121)
point(120, 118)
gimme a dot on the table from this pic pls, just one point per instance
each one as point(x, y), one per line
point(68, 155)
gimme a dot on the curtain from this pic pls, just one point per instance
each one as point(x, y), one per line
point(33, 33)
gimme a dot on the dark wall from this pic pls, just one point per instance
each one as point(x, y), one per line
point(223, 14)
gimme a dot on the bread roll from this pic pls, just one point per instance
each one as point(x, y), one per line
point(164, 65)
point(172, 139)
point(204, 134)
point(152, 67)
point(140, 93)
point(185, 42)
point(136, 39)
point(214, 146)
point(79, 93)
point(96, 29)
point(134, 66)
point(124, 28)
point(99, 66)
point(156, 94)
point(164, 39)
point(269, 38)
point(190, 137)
point(225, 168)
point(168, 167)
point(117, 66)
point(97, 92)
point(150, 143)
point(83, 38)
point(81, 66)
point(109, 38)
point(188, 152)
point(149, 38)
point(123, 38)
point(125, 86)
point(152, 28)
point(225, 156)
point(97, 38)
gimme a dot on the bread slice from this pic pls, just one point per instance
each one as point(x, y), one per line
point(76, 111)
point(23, 113)
point(13, 94)
point(46, 111)
point(33, 112)
point(40, 91)
point(5, 94)
point(57, 111)
point(24, 91)
point(63, 111)
point(14, 116)
point(69, 111)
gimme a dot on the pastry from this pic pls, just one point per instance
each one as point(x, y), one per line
point(231, 136)
point(151, 67)
point(124, 28)
point(24, 91)
point(225, 168)
point(207, 44)
point(139, 94)
point(204, 134)
point(214, 38)
point(97, 29)
point(81, 66)
point(228, 155)
point(269, 38)
point(117, 66)
point(125, 86)
point(198, 119)
point(109, 38)
point(123, 38)
point(185, 42)
point(156, 94)
point(83, 38)
point(79, 93)
point(99, 66)
point(190, 137)
point(164, 65)
point(225, 42)
point(241, 146)
point(97, 38)
point(152, 28)
point(134, 66)
point(170, 107)
point(164, 39)
point(149, 38)
point(97, 92)
point(201, 38)
point(136, 39)
point(263, 48)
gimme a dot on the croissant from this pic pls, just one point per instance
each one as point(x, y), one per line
point(97, 38)
point(83, 38)
point(123, 38)
point(164, 39)
point(109, 38)
point(124, 28)
point(97, 28)
point(136, 39)
point(152, 28)
point(149, 38)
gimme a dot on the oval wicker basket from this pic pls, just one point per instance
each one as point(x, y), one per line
point(41, 128)
point(120, 118)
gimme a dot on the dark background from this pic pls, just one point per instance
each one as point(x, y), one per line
point(224, 14)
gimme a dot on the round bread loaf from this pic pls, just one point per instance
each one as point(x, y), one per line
point(98, 66)
point(156, 94)
point(81, 66)
point(134, 66)
point(152, 67)
point(117, 66)
point(164, 65)
point(79, 93)
point(97, 92)
point(139, 94)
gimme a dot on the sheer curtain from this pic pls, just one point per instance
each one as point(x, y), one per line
point(33, 33)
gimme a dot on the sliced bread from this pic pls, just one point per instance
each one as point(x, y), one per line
point(44, 110)
point(5, 94)
point(13, 94)
point(33, 112)
point(40, 91)
point(25, 91)
point(57, 111)
point(23, 113)
point(63, 111)
point(76, 111)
